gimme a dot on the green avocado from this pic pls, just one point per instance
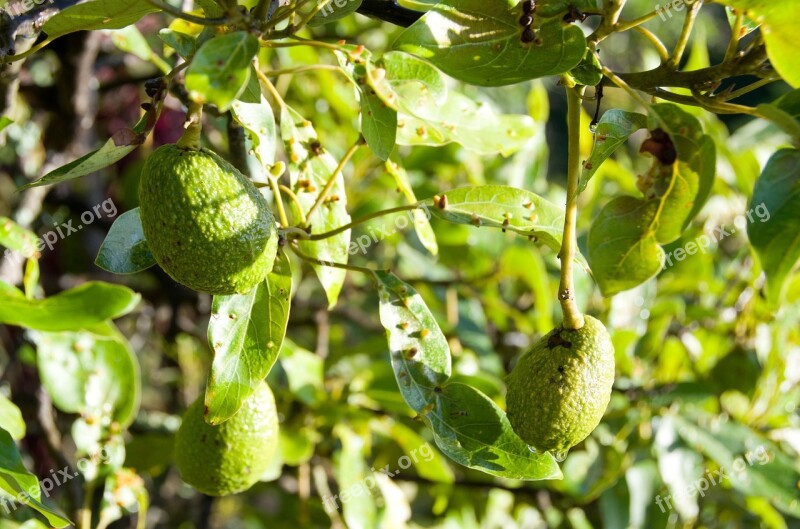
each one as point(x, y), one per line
point(206, 224)
point(230, 457)
point(560, 388)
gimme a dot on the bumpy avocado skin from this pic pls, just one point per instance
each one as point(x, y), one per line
point(206, 224)
point(559, 390)
point(231, 457)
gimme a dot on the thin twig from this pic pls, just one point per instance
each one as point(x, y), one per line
point(362, 220)
point(686, 33)
point(341, 266)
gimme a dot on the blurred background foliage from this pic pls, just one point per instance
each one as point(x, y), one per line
point(706, 372)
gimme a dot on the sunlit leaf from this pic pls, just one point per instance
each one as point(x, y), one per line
point(480, 43)
point(72, 309)
point(613, 130)
point(97, 14)
point(11, 418)
point(125, 250)
point(246, 332)
point(220, 69)
point(422, 223)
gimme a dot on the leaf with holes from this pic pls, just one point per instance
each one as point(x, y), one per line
point(419, 351)
point(310, 168)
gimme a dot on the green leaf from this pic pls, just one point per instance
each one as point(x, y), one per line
point(752, 464)
point(125, 250)
point(588, 72)
point(185, 45)
point(624, 239)
point(220, 69)
point(473, 431)
point(613, 129)
point(258, 121)
point(623, 250)
point(356, 485)
point(503, 207)
point(776, 239)
point(460, 119)
point(316, 166)
point(422, 223)
point(94, 373)
point(480, 43)
point(305, 372)
point(16, 238)
point(97, 14)
point(21, 484)
point(11, 418)
point(121, 144)
point(419, 350)
point(246, 332)
point(778, 22)
point(5, 121)
point(378, 124)
point(76, 308)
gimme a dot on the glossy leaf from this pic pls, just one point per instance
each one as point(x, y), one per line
point(125, 250)
point(93, 372)
point(473, 431)
point(121, 144)
point(97, 14)
point(185, 45)
point(220, 69)
point(460, 119)
point(21, 484)
point(776, 239)
point(421, 216)
point(480, 43)
point(246, 332)
point(315, 168)
point(16, 238)
point(588, 72)
point(76, 308)
point(11, 418)
point(504, 207)
point(613, 130)
point(419, 351)
point(259, 124)
point(623, 250)
point(751, 463)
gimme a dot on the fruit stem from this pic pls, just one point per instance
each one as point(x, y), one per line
point(191, 136)
point(573, 319)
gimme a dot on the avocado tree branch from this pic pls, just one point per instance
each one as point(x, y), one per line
point(334, 175)
point(573, 319)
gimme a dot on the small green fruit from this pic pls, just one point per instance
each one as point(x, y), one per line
point(206, 224)
point(231, 457)
point(559, 390)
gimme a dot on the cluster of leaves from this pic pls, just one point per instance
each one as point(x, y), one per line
point(679, 406)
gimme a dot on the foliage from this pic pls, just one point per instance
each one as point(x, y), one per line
point(416, 175)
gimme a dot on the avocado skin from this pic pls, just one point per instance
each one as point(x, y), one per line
point(559, 390)
point(231, 457)
point(206, 224)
